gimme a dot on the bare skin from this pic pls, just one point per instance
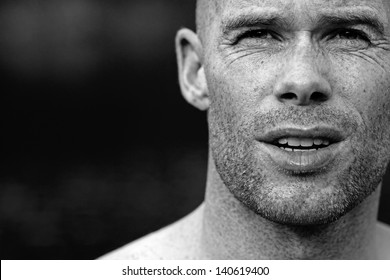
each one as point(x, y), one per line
point(296, 65)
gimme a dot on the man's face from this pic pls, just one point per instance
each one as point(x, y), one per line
point(300, 103)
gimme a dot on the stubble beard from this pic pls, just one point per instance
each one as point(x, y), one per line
point(296, 200)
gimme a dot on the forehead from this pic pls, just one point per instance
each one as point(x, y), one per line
point(310, 7)
point(227, 4)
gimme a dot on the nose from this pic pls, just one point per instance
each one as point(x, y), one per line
point(302, 81)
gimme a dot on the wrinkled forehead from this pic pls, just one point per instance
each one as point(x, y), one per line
point(298, 8)
point(225, 5)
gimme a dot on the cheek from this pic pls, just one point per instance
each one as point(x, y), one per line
point(239, 91)
point(230, 113)
point(366, 88)
point(372, 96)
point(365, 78)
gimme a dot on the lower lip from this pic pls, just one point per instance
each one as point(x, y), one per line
point(303, 162)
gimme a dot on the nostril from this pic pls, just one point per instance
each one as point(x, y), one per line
point(289, 96)
point(318, 97)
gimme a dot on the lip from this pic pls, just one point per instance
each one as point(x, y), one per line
point(307, 161)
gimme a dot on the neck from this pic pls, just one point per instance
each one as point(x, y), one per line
point(232, 231)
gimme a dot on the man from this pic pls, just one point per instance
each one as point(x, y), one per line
point(298, 100)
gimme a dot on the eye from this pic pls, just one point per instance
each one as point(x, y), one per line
point(260, 34)
point(349, 34)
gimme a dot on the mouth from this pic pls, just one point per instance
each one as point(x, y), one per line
point(303, 150)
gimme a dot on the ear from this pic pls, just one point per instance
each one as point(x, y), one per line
point(192, 78)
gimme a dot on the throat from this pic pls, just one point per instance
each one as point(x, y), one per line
point(225, 225)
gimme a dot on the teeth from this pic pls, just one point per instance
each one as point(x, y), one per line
point(303, 142)
point(307, 142)
point(283, 141)
point(294, 143)
point(298, 150)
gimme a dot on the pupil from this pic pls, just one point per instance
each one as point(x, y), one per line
point(349, 35)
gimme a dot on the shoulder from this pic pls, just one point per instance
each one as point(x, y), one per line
point(179, 240)
point(383, 240)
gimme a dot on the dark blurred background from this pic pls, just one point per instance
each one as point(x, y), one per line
point(98, 146)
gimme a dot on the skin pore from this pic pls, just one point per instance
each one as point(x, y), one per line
point(261, 65)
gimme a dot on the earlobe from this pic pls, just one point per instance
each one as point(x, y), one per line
point(192, 77)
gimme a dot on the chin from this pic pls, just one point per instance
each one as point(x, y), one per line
point(310, 216)
point(305, 202)
point(297, 211)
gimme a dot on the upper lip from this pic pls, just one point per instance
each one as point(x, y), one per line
point(332, 134)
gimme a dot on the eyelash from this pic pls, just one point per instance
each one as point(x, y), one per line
point(351, 32)
point(254, 33)
point(331, 35)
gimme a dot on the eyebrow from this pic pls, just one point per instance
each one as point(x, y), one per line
point(276, 19)
point(352, 19)
point(253, 20)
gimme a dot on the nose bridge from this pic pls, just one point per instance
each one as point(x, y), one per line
point(302, 80)
point(304, 60)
